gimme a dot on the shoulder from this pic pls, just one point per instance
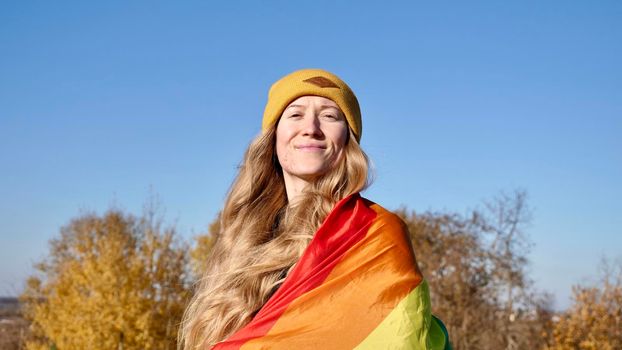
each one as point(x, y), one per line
point(385, 216)
point(390, 230)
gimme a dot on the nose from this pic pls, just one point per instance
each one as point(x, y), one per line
point(311, 126)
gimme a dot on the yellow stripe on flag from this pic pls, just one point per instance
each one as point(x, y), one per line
point(406, 326)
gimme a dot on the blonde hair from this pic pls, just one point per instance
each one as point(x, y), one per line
point(261, 238)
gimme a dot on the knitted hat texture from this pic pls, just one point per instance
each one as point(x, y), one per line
point(316, 82)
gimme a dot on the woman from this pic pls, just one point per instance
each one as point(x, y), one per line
point(302, 260)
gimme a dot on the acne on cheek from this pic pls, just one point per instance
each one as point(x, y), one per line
point(285, 159)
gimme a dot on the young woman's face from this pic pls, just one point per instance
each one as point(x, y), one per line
point(310, 137)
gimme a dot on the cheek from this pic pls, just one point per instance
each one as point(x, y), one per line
point(282, 151)
point(340, 138)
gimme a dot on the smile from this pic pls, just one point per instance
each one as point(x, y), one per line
point(310, 148)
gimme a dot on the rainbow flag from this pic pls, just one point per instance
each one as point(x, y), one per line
point(357, 286)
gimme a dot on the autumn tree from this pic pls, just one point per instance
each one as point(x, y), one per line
point(476, 267)
point(110, 282)
point(594, 320)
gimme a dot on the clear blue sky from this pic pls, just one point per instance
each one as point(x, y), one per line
point(99, 101)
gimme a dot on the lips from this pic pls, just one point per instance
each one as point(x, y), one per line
point(310, 147)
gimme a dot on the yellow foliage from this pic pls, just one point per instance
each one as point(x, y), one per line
point(594, 321)
point(111, 282)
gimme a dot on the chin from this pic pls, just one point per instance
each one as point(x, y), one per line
point(310, 174)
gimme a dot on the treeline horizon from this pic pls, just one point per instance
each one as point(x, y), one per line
point(123, 280)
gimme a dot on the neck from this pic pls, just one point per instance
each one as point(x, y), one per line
point(294, 187)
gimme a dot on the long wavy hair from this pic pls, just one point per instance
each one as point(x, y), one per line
point(261, 238)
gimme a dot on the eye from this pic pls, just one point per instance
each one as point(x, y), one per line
point(294, 116)
point(331, 116)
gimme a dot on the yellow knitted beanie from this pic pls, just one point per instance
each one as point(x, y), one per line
point(315, 82)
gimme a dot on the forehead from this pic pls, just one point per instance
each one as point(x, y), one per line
point(304, 101)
